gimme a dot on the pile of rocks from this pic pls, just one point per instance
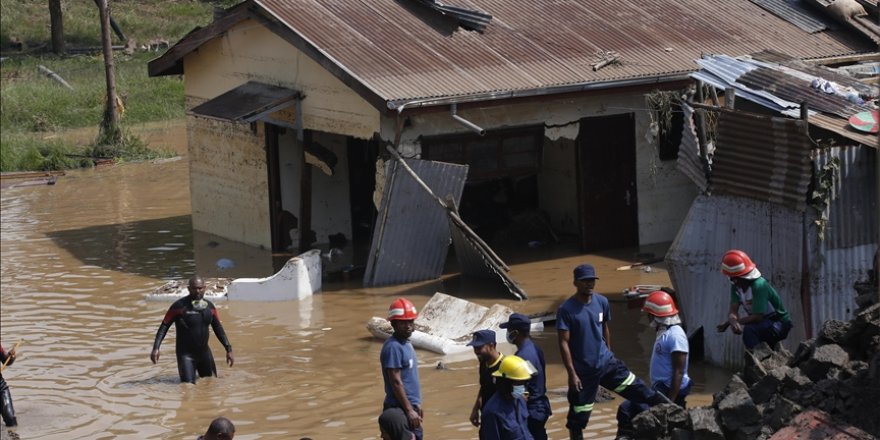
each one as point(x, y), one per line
point(838, 372)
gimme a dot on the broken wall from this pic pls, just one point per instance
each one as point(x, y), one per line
point(664, 194)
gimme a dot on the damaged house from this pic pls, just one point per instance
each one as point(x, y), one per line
point(790, 176)
point(292, 103)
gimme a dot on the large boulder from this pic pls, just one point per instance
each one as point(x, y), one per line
point(824, 358)
point(739, 411)
point(706, 423)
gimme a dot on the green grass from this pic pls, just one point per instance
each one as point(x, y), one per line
point(27, 21)
point(32, 105)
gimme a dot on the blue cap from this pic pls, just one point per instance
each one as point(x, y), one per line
point(517, 321)
point(481, 338)
point(585, 272)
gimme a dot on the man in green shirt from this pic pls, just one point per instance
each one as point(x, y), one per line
point(766, 319)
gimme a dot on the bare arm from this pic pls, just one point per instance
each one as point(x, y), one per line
point(415, 419)
point(574, 381)
point(679, 358)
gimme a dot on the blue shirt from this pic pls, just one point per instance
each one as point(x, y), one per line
point(401, 355)
point(505, 419)
point(538, 403)
point(672, 340)
point(586, 339)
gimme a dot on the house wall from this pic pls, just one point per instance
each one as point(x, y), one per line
point(228, 162)
point(664, 194)
point(228, 180)
point(250, 52)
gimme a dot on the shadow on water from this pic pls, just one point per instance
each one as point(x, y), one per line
point(157, 248)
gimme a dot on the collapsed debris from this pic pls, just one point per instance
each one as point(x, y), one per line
point(835, 377)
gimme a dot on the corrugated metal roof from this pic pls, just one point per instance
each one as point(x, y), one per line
point(780, 83)
point(763, 158)
point(798, 90)
point(531, 44)
point(690, 162)
point(411, 238)
point(770, 234)
point(845, 254)
point(794, 14)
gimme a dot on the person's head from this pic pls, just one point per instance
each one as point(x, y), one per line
point(739, 268)
point(512, 375)
point(585, 278)
point(402, 315)
point(196, 287)
point(518, 326)
point(393, 425)
point(220, 429)
point(660, 308)
point(483, 342)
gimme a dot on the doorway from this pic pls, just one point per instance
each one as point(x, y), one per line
point(607, 198)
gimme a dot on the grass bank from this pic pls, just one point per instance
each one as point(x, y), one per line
point(35, 110)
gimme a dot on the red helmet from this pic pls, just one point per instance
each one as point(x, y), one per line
point(401, 309)
point(736, 263)
point(659, 303)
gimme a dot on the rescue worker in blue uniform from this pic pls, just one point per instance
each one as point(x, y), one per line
point(400, 368)
point(505, 415)
point(484, 345)
point(518, 328)
point(585, 345)
point(192, 315)
point(669, 359)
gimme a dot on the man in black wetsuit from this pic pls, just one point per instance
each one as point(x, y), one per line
point(6, 409)
point(191, 316)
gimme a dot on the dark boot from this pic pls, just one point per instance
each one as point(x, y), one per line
point(576, 434)
point(6, 404)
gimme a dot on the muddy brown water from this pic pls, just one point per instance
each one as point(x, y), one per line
point(78, 258)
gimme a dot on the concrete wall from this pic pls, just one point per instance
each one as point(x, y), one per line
point(331, 202)
point(664, 194)
point(228, 180)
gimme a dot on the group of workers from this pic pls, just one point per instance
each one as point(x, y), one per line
point(512, 403)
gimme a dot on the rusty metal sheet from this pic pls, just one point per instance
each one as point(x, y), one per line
point(411, 238)
point(477, 260)
point(844, 253)
point(533, 45)
point(772, 235)
point(689, 161)
point(794, 13)
point(763, 158)
point(816, 424)
point(794, 89)
point(247, 102)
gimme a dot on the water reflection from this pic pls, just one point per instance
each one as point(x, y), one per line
point(78, 257)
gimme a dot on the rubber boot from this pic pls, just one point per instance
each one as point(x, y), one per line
point(8, 410)
point(576, 434)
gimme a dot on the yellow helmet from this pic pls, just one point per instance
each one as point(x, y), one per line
point(515, 368)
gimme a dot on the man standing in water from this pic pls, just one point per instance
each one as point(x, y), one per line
point(584, 342)
point(400, 366)
point(518, 333)
point(192, 315)
point(489, 358)
point(6, 409)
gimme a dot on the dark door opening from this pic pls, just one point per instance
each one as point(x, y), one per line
point(362, 155)
point(606, 157)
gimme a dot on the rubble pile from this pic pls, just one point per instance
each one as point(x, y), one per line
point(837, 373)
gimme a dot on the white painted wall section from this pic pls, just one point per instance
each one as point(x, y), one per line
point(299, 278)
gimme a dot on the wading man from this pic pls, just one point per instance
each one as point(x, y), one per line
point(400, 368)
point(484, 348)
point(192, 315)
point(584, 342)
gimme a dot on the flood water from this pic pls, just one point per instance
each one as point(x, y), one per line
point(79, 256)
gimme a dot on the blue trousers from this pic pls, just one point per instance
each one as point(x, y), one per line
point(767, 330)
point(629, 409)
point(614, 376)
